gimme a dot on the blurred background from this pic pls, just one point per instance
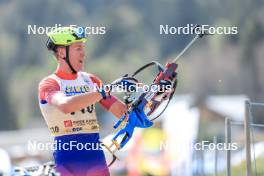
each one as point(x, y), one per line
point(216, 76)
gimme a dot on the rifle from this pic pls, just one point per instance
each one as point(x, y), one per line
point(136, 115)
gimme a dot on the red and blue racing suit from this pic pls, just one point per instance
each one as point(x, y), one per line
point(78, 151)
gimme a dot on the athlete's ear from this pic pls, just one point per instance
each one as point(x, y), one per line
point(61, 52)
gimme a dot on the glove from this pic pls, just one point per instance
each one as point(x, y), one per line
point(125, 83)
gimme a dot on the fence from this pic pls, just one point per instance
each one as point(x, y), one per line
point(249, 138)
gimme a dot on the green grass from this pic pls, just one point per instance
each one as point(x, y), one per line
point(240, 170)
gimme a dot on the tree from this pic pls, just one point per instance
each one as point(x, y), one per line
point(7, 115)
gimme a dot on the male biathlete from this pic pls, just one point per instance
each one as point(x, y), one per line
point(67, 101)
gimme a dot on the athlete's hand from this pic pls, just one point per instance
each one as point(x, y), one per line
point(126, 83)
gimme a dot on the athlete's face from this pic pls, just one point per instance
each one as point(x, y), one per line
point(77, 55)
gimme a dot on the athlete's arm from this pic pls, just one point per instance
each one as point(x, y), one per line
point(118, 109)
point(115, 106)
point(49, 91)
point(75, 103)
point(111, 104)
